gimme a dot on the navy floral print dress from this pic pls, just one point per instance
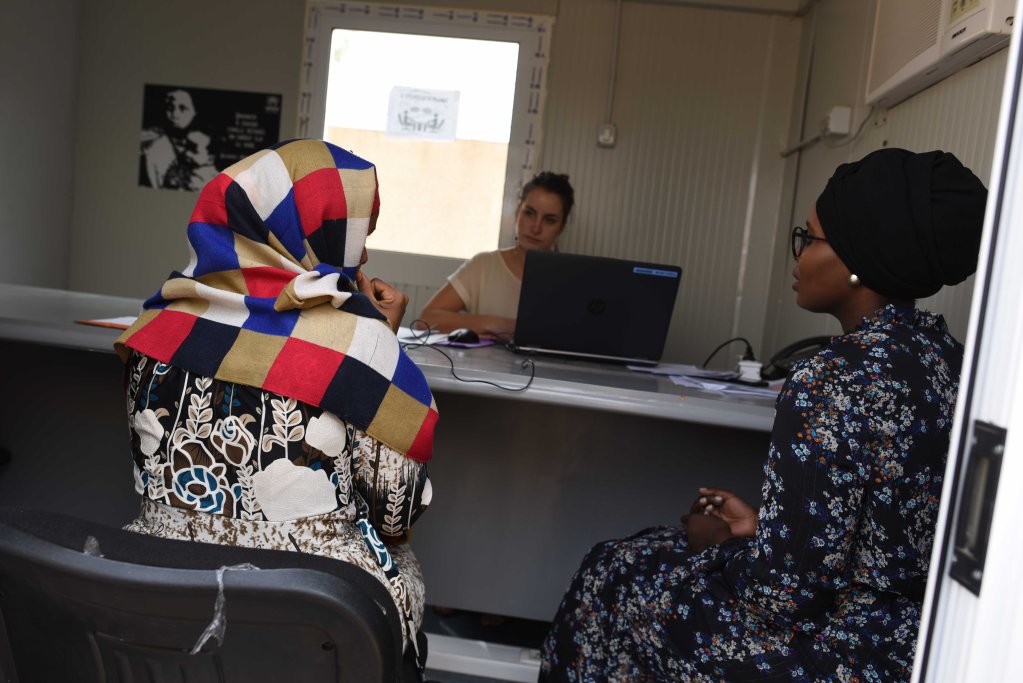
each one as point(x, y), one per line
point(830, 588)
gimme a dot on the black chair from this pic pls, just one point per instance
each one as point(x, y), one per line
point(133, 615)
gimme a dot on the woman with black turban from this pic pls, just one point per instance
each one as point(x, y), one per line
point(825, 583)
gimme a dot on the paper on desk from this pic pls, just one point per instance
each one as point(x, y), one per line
point(407, 334)
point(122, 322)
point(725, 387)
point(684, 369)
point(410, 336)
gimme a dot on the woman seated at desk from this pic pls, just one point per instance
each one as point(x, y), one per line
point(269, 401)
point(483, 294)
point(827, 582)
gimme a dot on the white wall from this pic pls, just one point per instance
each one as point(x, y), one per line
point(958, 115)
point(702, 101)
point(38, 43)
point(125, 239)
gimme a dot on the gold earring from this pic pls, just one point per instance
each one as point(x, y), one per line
point(854, 280)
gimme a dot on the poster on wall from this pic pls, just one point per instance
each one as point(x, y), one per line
point(191, 134)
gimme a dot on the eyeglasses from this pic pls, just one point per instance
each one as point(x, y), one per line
point(800, 238)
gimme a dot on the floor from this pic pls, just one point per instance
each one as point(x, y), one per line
point(433, 676)
point(519, 633)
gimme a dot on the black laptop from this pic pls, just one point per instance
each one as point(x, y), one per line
point(595, 308)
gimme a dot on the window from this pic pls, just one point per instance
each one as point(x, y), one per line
point(446, 103)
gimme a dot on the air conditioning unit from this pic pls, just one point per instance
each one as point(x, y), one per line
point(916, 43)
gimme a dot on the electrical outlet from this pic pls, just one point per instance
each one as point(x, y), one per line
point(837, 122)
point(607, 134)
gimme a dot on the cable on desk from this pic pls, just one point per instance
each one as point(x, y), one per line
point(424, 333)
point(748, 355)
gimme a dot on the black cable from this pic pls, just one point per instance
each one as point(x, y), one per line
point(428, 330)
point(748, 355)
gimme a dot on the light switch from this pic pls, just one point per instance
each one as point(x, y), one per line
point(607, 133)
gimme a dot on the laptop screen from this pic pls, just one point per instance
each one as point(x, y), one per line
point(591, 306)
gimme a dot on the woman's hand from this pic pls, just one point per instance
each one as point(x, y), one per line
point(445, 312)
point(497, 328)
point(385, 298)
point(395, 540)
point(740, 516)
point(703, 531)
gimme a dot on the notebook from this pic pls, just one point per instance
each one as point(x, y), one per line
point(595, 308)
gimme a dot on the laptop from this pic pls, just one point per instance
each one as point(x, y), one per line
point(595, 308)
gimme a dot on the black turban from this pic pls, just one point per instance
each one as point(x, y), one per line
point(905, 223)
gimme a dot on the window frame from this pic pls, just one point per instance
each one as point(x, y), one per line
point(531, 32)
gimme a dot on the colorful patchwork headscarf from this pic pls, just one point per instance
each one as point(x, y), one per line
point(269, 300)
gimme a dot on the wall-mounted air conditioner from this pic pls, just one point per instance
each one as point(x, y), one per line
point(916, 43)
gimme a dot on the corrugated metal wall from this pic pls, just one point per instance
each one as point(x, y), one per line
point(958, 115)
point(704, 101)
point(694, 90)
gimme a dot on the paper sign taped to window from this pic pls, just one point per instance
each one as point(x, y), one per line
point(422, 114)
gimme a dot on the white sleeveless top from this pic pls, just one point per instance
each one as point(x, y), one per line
point(486, 286)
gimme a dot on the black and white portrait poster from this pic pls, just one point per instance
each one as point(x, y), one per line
point(191, 134)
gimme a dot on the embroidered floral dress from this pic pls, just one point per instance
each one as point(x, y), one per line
point(219, 462)
point(830, 588)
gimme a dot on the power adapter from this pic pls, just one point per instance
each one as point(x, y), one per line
point(749, 371)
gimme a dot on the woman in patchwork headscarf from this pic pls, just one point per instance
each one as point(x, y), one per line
point(269, 402)
point(826, 581)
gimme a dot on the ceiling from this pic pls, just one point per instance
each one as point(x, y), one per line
point(771, 6)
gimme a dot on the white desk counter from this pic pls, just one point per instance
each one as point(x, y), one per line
point(525, 482)
point(47, 316)
point(581, 384)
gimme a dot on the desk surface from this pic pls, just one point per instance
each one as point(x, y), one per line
point(46, 316)
point(584, 384)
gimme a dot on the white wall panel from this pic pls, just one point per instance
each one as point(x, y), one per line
point(958, 115)
point(702, 102)
point(776, 6)
point(37, 104)
point(697, 93)
point(126, 238)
